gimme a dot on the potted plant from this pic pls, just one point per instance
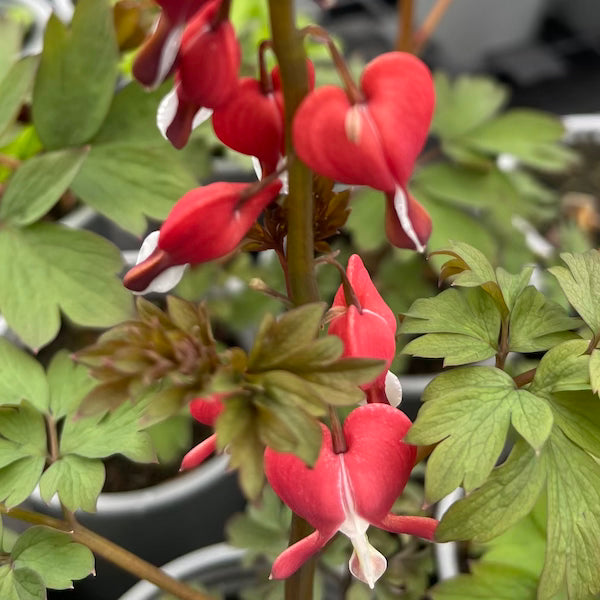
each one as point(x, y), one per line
point(285, 407)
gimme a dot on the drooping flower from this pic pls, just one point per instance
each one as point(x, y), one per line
point(206, 74)
point(156, 57)
point(374, 140)
point(205, 224)
point(252, 121)
point(368, 329)
point(349, 491)
point(205, 411)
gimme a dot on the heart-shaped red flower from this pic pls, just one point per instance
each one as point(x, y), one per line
point(349, 491)
point(251, 123)
point(368, 330)
point(157, 55)
point(374, 142)
point(206, 76)
point(205, 224)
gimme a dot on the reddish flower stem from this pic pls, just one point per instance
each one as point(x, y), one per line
point(266, 83)
point(352, 90)
point(430, 24)
point(404, 41)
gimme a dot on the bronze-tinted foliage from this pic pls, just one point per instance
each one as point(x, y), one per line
point(169, 353)
point(330, 214)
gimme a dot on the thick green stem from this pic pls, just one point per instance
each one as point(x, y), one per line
point(289, 50)
point(111, 552)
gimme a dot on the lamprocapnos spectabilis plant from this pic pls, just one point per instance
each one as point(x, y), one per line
point(277, 406)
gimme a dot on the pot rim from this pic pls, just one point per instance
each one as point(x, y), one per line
point(166, 493)
point(197, 560)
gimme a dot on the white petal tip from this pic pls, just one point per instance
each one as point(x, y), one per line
point(393, 389)
point(257, 168)
point(166, 111)
point(202, 115)
point(168, 55)
point(169, 278)
point(401, 208)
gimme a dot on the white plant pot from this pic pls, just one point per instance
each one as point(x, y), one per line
point(472, 29)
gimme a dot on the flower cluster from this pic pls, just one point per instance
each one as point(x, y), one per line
point(370, 135)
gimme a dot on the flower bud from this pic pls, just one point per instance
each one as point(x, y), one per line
point(205, 224)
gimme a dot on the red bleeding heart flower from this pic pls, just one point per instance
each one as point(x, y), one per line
point(157, 55)
point(368, 329)
point(206, 76)
point(252, 121)
point(374, 140)
point(205, 411)
point(205, 224)
point(349, 491)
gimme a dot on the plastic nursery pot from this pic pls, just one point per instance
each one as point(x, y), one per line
point(471, 30)
point(157, 523)
point(219, 570)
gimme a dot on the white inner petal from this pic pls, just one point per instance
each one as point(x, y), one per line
point(401, 208)
point(366, 563)
point(169, 278)
point(202, 115)
point(168, 54)
point(166, 111)
point(257, 167)
point(393, 389)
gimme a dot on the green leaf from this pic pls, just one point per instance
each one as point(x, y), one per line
point(46, 267)
point(25, 428)
point(467, 412)
point(531, 136)
point(573, 521)
point(523, 545)
point(77, 76)
point(21, 584)
point(462, 326)
point(11, 41)
point(19, 479)
point(488, 581)
point(13, 88)
point(263, 529)
point(99, 436)
point(462, 186)
point(153, 181)
point(505, 498)
point(578, 417)
point(236, 428)
point(581, 284)
point(69, 383)
point(38, 184)
point(367, 218)
point(512, 285)
point(171, 438)
point(470, 268)
point(78, 482)
point(21, 377)
point(277, 339)
point(453, 222)
point(53, 556)
point(132, 116)
point(537, 323)
point(465, 104)
point(564, 367)
point(594, 367)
